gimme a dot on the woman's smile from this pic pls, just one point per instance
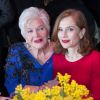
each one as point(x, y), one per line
point(65, 41)
point(38, 40)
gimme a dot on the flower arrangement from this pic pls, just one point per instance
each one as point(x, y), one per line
point(66, 90)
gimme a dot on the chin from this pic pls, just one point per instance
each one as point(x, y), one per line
point(39, 46)
point(65, 47)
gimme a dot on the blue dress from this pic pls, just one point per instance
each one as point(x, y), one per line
point(23, 68)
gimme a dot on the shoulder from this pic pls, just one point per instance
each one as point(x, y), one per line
point(16, 47)
point(58, 56)
point(13, 56)
point(95, 54)
point(95, 57)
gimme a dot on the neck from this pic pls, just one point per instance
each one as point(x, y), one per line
point(36, 52)
point(73, 51)
point(43, 54)
point(72, 54)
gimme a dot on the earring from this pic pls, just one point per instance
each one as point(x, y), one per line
point(48, 36)
point(28, 46)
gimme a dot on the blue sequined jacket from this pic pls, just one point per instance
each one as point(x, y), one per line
point(23, 68)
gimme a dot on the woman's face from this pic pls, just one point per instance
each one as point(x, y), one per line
point(36, 33)
point(69, 34)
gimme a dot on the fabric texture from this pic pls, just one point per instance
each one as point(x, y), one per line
point(85, 71)
point(23, 68)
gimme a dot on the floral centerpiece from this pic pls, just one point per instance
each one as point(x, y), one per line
point(66, 90)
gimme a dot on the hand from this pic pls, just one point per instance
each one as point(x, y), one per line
point(52, 83)
point(49, 84)
point(12, 95)
point(32, 88)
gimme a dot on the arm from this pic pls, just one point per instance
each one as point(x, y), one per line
point(48, 84)
point(11, 75)
point(6, 12)
point(32, 88)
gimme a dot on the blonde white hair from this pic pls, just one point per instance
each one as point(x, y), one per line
point(30, 13)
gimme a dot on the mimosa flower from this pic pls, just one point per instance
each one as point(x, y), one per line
point(65, 91)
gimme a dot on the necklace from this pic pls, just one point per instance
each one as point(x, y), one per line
point(41, 55)
point(73, 58)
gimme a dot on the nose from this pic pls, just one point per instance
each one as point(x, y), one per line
point(65, 33)
point(35, 33)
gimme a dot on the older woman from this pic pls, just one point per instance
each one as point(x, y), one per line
point(30, 63)
point(75, 53)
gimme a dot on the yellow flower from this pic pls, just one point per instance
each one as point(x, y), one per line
point(63, 79)
point(65, 91)
point(57, 98)
point(55, 90)
point(47, 91)
point(39, 96)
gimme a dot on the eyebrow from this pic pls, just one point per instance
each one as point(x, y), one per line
point(42, 25)
point(68, 26)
